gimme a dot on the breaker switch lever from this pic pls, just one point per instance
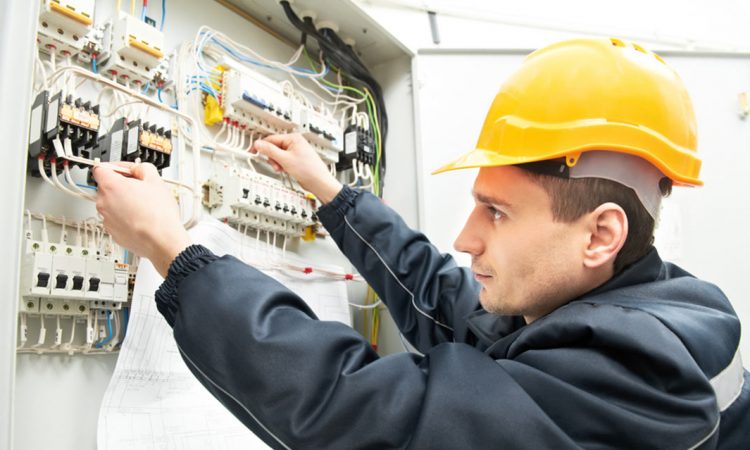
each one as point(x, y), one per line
point(94, 284)
point(77, 283)
point(42, 279)
point(61, 281)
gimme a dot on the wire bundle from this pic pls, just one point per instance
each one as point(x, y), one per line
point(336, 53)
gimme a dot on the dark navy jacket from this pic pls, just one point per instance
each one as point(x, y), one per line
point(648, 360)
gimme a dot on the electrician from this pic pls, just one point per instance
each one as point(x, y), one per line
point(568, 331)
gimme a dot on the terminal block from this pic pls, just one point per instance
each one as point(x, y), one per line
point(247, 198)
point(148, 142)
point(256, 102)
point(322, 131)
point(63, 25)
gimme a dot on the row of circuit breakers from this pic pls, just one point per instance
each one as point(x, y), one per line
point(252, 101)
point(60, 123)
point(57, 278)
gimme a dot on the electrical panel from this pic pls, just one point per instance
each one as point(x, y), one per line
point(63, 24)
point(116, 94)
point(110, 86)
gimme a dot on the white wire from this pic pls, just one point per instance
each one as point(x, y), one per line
point(24, 330)
point(81, 192)
point(42, 333)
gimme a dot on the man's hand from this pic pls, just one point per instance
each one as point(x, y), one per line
point(292, 154)
point(141, 214)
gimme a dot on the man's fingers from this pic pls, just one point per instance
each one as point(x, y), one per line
point(271, 151)
point(275, 166)
point(144, 171)
point(105, 176)
point(280, 140)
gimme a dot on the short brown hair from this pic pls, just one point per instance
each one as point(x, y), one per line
point(573, 197)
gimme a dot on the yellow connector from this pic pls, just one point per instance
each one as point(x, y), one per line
point(67, 11)
point(155, 52)
point(212, 112)
point(309, 235)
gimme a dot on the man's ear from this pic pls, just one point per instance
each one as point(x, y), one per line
point(608, 229)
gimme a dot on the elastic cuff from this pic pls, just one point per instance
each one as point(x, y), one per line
point(331, 213)
point(188, 261)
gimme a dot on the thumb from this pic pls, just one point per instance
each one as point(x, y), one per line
point(144, 171)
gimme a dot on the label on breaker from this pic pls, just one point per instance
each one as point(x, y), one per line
point(115, 147)
point(35, 132)
point(132, 141)
point(350, 142)
point(52, 113)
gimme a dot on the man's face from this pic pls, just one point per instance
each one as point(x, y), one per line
point(527, 263)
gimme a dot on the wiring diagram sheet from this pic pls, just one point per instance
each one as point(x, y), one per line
point(153, 401)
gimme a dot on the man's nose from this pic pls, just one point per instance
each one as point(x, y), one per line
point(470, 240)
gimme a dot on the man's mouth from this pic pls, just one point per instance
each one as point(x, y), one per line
point(481, 277)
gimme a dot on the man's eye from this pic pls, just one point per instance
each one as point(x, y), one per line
point(496, 214)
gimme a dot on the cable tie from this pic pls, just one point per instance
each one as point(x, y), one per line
point(348, 276)
point(308, 270)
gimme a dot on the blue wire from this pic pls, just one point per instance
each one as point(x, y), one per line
point(93, 65)
point(145, 88)
point(126, 317)
point(109, 331)
point(163, 14)
point(125, 257)
point(143, 12)
point(86, 186)
point(257, 63)
point(158, 95)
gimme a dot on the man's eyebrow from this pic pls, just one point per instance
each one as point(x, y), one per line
point(486, 199)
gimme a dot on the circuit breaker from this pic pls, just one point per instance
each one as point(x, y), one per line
point(63, 24)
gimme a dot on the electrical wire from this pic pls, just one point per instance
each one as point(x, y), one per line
point(163, 14)
point(110, 335)
point(342, 57)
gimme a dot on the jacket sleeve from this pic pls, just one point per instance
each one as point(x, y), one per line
point(427, 294)
point(298, 382)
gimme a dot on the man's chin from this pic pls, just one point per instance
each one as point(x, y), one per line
point(492, 305)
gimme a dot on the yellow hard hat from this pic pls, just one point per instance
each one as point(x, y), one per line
point(590, 94)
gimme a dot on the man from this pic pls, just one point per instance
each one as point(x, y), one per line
point(571, 332)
